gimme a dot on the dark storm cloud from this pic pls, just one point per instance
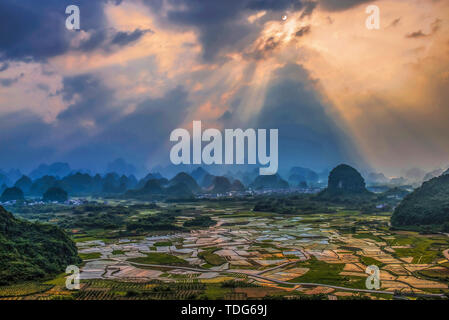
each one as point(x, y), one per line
point(417, 34)
point(219, 23)
point(26, 140)
point(43, 87)
point(303, 31)
point(225, 117)
point(4, 66)
point(93, 99)
point(261, 52)
point(35, 30)
point(275, 4)
point(434, 27)
point(96, 39)
point(223, 25)
point(146, 131)
point(28, 30)
point(339, 5)
point(308, 135)
point(395, 22)
point(125, 38)
point(309, 7)
point(155, 5)
point(21, 137)
point(139, 136)
point(109, 39)
point(7, 82)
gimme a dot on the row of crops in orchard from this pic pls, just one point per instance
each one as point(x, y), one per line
point(115, 290)
point(23, 289)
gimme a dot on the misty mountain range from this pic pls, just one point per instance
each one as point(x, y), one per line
point(121, 177)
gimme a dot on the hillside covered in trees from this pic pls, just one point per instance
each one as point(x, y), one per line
point(30, 251)
point(426, 207)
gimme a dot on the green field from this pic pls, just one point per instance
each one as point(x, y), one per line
point(326, 273)
point(163, 244)
point(90, 256)
point(423, 249)
point(256, 240)
point(159, 258)
point(368, 261)
point(212, 258)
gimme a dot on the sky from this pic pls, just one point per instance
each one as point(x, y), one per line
point(337, 91)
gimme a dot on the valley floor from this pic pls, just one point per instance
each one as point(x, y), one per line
point(251, 255)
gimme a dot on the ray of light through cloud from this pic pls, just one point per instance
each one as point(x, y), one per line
point(381, 95)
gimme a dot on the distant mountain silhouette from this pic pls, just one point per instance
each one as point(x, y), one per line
point(237, 186)
point(42, 184)
point(113, 183)
point(154, 190)
point(14, 174)
point(344, 182)
point(11, 194)
point(223, 185)
point(299, 174)
point(207, 181)
point(24, 183)
point(148, 177)
point(346, 179)
point(121, 167)
point(4, 180)
point(179, 190)
point(10, 176)
point(377, 178)
point(55, 194)
point(198, 174)
point(415, 174)
point(79, 184)
point(393, 192)
point(269, 182)
point(185, 178)
point(220, 185)
point(57, 169)
point(248, 177)
point(152, 187)
point(399, 181)
point(182, 186)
